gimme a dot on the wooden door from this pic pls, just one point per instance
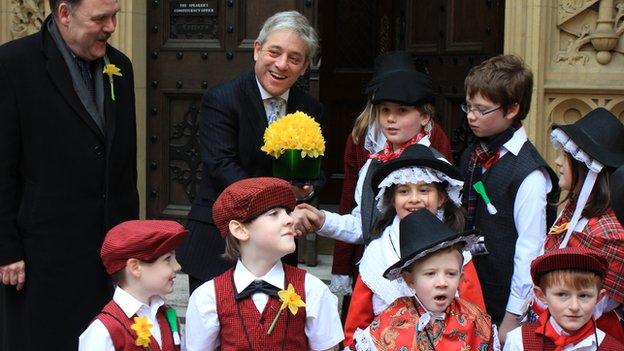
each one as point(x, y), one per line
point(464, 34)
point(193, 45)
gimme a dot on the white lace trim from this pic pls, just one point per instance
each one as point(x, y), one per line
point(378, 256)
point(561, 140)
point(375, 140)
point(363, 340)
point(417, 174)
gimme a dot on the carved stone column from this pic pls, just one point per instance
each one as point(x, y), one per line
point(27, 17)
point(576, 51)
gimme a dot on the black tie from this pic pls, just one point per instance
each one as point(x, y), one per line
point(258, 286)
point(85, 73)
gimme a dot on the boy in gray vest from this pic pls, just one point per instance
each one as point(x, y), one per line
point(510, 193)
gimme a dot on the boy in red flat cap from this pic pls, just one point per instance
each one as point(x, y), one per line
point(140, 256)
point(569, 282)
point(245, 307)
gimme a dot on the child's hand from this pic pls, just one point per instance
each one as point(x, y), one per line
point(13, 274)
point(307, 218)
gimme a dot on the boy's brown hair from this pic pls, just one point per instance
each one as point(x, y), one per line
point(577, 278)
point(232, 248)
point(504, 80)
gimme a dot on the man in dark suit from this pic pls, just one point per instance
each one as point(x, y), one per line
point(67, 171)
point(233, 119)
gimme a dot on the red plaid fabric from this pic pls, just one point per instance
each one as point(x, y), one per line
point(248, 198)
point(604, 234)
point(388, 154)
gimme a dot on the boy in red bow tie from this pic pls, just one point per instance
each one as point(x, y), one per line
point(569, 282)
point(240, 309)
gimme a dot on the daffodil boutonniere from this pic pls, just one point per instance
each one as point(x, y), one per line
point(111, 70)
point(142, 327)
point(289, 299)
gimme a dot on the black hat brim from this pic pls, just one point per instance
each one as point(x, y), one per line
point(468, 238)
point(606, 156)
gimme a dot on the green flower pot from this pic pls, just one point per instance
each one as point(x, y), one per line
point(290, 165)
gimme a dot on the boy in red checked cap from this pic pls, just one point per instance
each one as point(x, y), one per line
point(569, 282)
point(260, 304)
point(140, 257)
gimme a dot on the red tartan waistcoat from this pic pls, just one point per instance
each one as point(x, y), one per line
point(118, 325)
point(243, 327)
point(531, 341)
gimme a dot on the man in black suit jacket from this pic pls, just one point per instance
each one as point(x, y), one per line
point(233, 119)
point(67, 172)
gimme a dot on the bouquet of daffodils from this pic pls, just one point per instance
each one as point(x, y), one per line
point(297, 143)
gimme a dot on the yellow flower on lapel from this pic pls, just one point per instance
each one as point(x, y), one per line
point(142, 327)
point(111, 70)
point(289, 299)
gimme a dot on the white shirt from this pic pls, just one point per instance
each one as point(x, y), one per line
point(323, 328)
point(530, 220)
point(97, 338)
point(348, 227)
point(514, 340)
point(265, 96)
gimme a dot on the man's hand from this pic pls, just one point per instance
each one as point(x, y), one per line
point(509, 323)
point(13, 274)
point(303, 193)
point(307, 218)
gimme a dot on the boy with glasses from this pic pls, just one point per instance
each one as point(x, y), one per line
point(509, 191)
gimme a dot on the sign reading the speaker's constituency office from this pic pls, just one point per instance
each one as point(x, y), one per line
point(194, 8)
point(194, 19)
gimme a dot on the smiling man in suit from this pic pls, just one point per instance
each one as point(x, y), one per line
point(67, 171)
point(233, 119)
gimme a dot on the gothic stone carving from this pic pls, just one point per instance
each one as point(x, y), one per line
point(589, 28)
point(28, 15)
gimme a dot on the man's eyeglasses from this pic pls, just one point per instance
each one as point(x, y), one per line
point(478, 112)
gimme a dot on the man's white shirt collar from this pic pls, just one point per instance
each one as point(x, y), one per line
point(243, 277)
point(265, 94)
point(131, 306)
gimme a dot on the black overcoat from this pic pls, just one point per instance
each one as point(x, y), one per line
point(63, 184)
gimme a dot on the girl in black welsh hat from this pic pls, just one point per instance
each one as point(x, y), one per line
point(418, 179)
point(429, 316)
point(590, 150)
point(402, 100)
point(366, 138)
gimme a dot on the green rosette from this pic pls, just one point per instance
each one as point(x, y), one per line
point(290, 165)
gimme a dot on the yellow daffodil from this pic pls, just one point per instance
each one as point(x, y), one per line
point(111, 70)
point(294, 131)
point(142, 327)
point(558, 229)
point(289, 299)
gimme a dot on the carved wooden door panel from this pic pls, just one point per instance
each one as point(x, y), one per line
point(193, 45)
point(451, 36)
